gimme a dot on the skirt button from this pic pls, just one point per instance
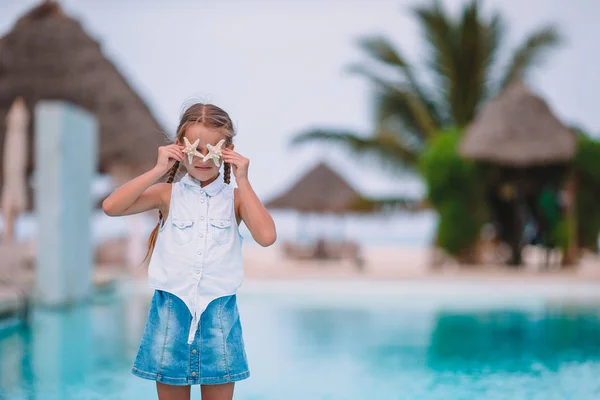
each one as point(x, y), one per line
point(194, 373)
point(194, 351)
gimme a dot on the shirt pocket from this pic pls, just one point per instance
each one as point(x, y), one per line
point(221, 229)
point(182, 230)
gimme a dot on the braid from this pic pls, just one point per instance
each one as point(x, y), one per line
point(170, 179)
point(227, 173)
point(154, 234)
point(173, 172)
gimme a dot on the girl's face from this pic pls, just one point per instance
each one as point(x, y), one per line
point(203, 171)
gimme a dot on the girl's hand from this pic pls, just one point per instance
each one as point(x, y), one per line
point(167, 156)
point(239, 163)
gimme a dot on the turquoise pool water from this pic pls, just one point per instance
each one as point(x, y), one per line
point(351, 344)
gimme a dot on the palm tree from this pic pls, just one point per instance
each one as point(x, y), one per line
point(464, 72)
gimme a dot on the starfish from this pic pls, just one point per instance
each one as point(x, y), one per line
point(190, 149)
point(215, 153)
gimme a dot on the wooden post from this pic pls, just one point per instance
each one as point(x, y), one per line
point(570, 257)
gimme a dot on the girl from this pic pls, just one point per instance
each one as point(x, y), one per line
point(193, 334)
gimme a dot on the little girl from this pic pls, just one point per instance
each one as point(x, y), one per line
point(193, 334)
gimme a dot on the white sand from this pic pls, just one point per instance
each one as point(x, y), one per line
point(397, 262)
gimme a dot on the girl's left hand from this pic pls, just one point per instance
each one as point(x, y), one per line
point(239, 163)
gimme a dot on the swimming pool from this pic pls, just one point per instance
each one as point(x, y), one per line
point(336, 340)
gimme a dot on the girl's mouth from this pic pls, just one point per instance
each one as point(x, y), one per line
point(203, 168)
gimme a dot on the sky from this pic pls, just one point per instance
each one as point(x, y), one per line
point(279, 67)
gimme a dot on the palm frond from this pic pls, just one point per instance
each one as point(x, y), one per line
point(473, 54)
point(390, 106)
point(493, 36)
point(379, 81)
point(381, 50)
point(439, 35)
point(420, 114)
point(531, 53)
point(403, 106)
point(386, 148)
point(462, 53)
point(396, 129)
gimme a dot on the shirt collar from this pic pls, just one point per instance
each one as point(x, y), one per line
point(212, 189)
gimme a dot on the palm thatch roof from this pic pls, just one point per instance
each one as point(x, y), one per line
point(48, 55)
point(518, 129)
point(320, 190)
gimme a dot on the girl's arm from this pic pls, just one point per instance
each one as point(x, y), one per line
point(255, 215)
point(142, 194)
point(248, 206)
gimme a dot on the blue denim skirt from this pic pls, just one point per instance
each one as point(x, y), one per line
point(216, 355)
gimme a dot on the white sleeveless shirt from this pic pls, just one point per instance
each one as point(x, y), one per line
point(198, 252)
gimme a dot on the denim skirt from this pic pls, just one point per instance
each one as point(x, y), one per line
point(216, 355)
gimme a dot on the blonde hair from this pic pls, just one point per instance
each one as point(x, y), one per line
point(210, 116)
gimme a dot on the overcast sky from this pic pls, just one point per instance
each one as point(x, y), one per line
point(278, 67)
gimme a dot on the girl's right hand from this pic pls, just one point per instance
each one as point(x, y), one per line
point(168, 156)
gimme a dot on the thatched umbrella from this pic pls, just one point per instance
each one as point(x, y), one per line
point(48, 55)
point(526, 150)
point(321, 190)
point(518, 129)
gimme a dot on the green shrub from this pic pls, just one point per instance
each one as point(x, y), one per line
point(455, 190)
point(587, 171)
point(560, 235)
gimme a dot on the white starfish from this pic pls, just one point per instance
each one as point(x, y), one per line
point(215, 153)
point(190, 149)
